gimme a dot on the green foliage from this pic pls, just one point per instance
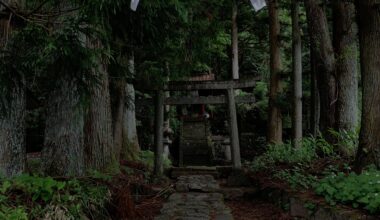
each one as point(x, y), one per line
point(147, 158)
point(358, 190)
point(261, 91)
point(38, 188)
point(175, 123)
point(43, 57)
point(286, 153)
point(101, 176)
point(347, 141)
point(296, 177)
point(44, 49)
point(311, 207)
point(9, 213)
point(39, 197)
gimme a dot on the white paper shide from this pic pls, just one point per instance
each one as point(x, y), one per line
point(134, 4)
point(258, 4)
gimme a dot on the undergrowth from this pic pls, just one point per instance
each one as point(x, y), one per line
point(147, 158)
point(33, 197)
point(296, 178)
point(311, 148)
point(318, 166)
point(359, 190)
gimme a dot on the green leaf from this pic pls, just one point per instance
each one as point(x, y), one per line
point(5, 186)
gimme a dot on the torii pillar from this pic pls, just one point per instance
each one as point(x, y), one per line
point(234, 132)
point(158, 137)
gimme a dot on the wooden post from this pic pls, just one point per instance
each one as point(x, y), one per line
point(235, 147)
point(158, 138)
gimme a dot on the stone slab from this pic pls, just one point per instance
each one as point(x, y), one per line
point(198, 183)
point(203, 204)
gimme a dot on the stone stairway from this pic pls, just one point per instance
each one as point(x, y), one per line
point(194, 170)
point(196, 198)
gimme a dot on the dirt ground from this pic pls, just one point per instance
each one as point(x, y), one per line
point(245, 209)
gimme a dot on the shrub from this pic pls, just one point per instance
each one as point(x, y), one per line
point(8, 213)
point(147, 158)
point(296, 177)
point(347, 141)
point(36, 197)
point(361, 190)
point(286, 153)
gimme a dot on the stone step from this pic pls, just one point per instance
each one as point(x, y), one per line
point(215, 171)
point(196, 199)
point(197, 183)
point(193, 170)
point(197, 206)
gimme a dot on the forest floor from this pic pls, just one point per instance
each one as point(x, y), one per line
point(134, 194)
point(163, 200)
point(252, 209)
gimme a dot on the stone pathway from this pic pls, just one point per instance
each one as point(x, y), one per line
point(196, 199)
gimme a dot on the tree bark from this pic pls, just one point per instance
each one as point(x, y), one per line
point(98, 142)
point(235, 42)
point(130, 147)
point(118, 109)
point(12, 118)
point(345, 44)
point(275, 116)
point(12, 135)
point(369, 32)
point(63, 153)
point(297, 75)
point(325, 60)
point(315, 102)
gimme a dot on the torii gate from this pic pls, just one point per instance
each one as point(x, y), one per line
point(230, 100)
point(229, 86)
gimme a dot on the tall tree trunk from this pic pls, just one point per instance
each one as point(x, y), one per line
point(98, 142)
point(297, 75)
point(118, 109)
point(12, 134)
point(275, 116)
point(325, 59)
point(235, 42)
point(130, 147)
point(369, 32)
point(12, 118)
point(63, 150)
point(345, 43)
point(314, 93)
point(63, 153)
point(315, 104)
